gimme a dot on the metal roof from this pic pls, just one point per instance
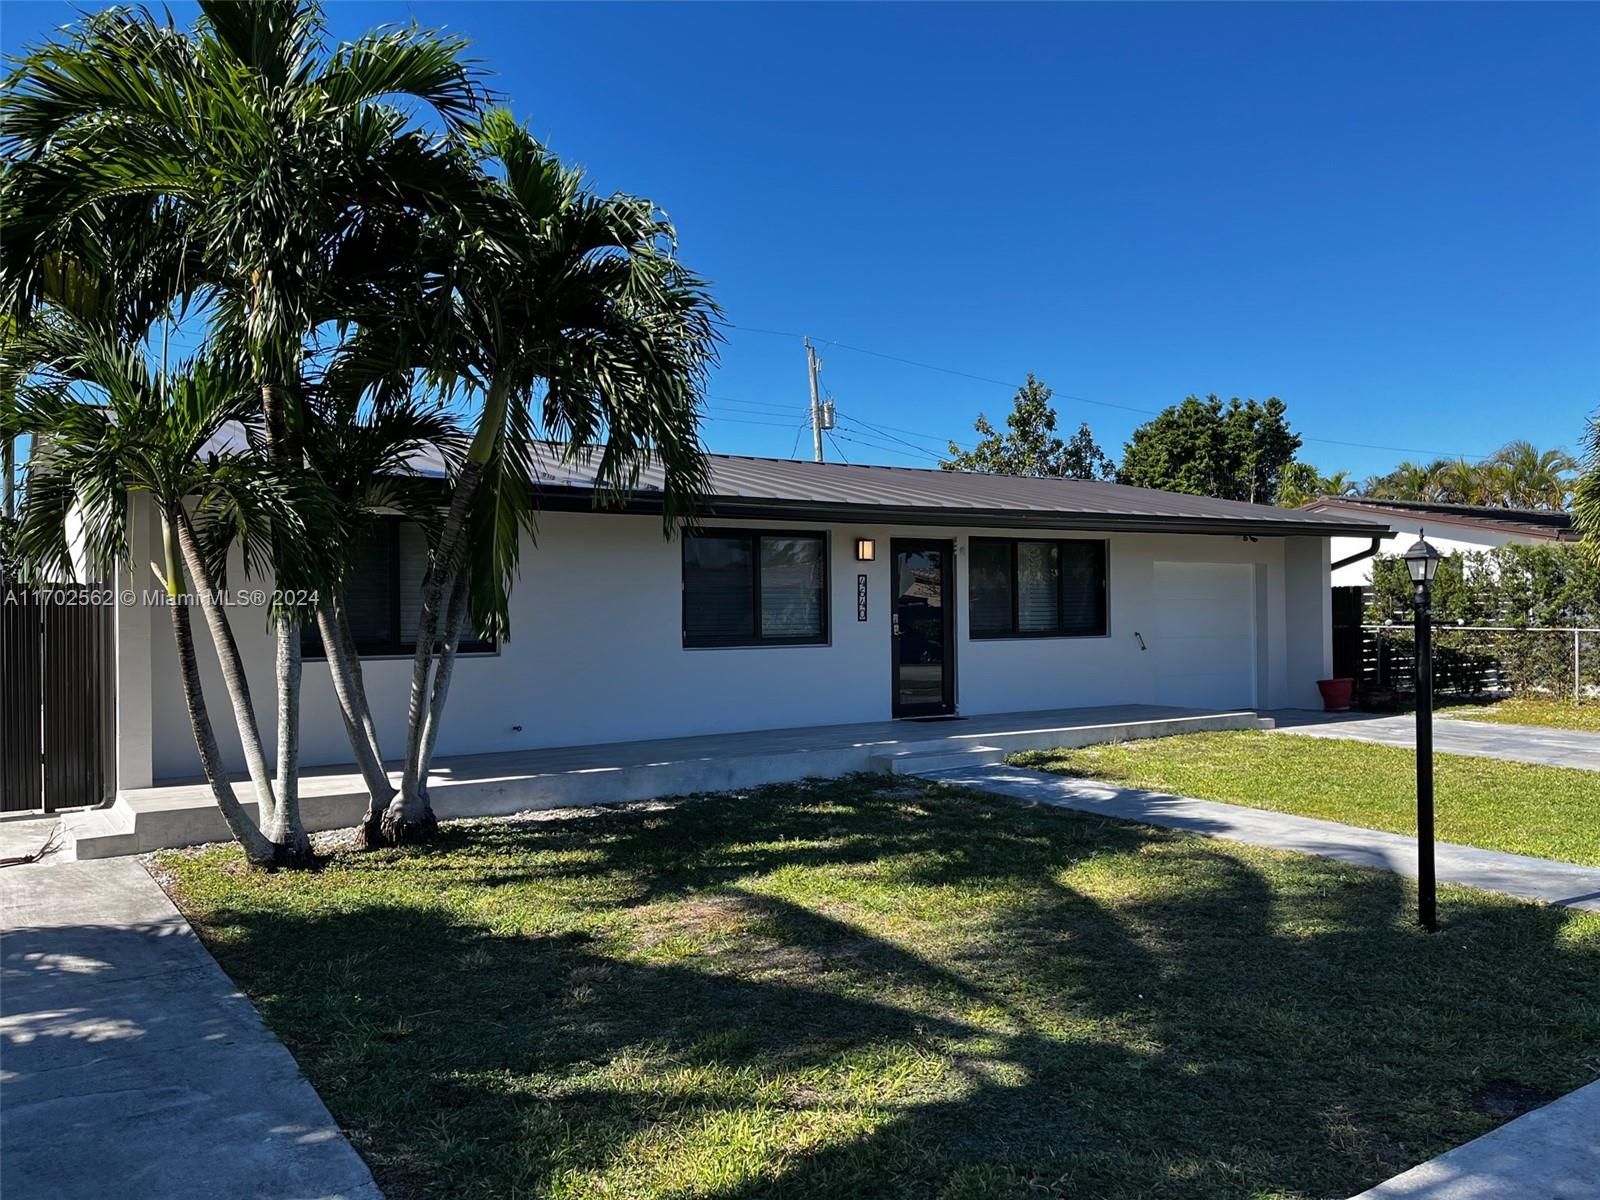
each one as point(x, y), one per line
point(778, 488)
point(788, 490)
point(1540, 524)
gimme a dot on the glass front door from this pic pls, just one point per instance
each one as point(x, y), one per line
point(922, 628)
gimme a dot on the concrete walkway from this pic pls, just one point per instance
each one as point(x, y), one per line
point(1553, 1153)
point(131, 1067)
point(1478, 739)
point(1513, 874)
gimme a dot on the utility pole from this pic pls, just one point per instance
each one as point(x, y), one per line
point(816, 402)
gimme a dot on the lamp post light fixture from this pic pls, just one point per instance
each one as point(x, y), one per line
point(1422, 563)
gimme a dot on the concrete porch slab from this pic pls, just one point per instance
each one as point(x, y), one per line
point(184, 814)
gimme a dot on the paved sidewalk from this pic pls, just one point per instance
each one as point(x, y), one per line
point(1478, 739)
point(1553, 1153)
point(129, 1064)
point(1514, 874)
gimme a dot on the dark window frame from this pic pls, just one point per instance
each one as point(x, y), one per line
point(754, 536)
point(312, 649)
point(1015, 632)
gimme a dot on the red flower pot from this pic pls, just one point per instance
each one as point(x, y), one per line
point(1336, 694)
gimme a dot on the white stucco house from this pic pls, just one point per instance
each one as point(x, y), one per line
point(810, 595)
point(1451, 528)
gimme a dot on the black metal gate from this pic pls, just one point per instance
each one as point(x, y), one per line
point(1349, 604)
point(57, 704)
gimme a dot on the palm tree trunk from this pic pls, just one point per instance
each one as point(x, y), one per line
point(286, 829)
point(409, 817)
point(233, 676)
point(459, 609)
point(285, 826)
point(345, 666)
point(258, 850)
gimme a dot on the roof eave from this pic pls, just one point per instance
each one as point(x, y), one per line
point(734, 508)
point(1538, 533)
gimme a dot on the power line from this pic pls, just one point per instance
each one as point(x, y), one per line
point(881, 446)
point(1149, 412)
point(751, 403)
point(921, 450)
point(746, 421)
point(799, 429)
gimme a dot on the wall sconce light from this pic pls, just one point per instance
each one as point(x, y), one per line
point(866, 549)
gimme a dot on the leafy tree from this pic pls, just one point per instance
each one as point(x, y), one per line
point(1030, 445)
point(1528, 588)
point(1233, 451)
point(1084, 459)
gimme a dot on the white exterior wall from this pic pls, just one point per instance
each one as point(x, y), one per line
point(1446, 537)
point(597, 654)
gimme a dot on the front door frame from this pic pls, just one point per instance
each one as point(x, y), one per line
point(947, 596)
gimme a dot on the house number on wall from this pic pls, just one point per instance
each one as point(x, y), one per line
point(861, 597)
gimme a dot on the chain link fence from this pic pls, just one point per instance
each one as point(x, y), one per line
point(1554, 662)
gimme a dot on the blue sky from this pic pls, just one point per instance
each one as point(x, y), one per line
point(1387, 215)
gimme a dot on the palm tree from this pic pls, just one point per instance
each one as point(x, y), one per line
point(363, 441)
point(1586, 492)
point(1408, 481)
point(79, 303)
point(146, 432)
point(1458, 482)
point(569, 317)
point(1534, 478)
point(275, 154)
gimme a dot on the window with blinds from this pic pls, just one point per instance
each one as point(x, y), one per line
point(754, 589)
point(1028, 588)
point(383, 594)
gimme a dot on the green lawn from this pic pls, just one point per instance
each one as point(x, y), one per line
point(1557, 714)
point(874, 988)
point(1549, 812)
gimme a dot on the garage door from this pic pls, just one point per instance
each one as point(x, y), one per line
point(1204, 644)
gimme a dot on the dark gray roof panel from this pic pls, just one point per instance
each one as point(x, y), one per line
point(777, 487)
point(783, 489)
point(1552, 523)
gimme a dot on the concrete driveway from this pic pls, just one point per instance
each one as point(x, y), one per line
point(129, 1063)
point(1480, 739)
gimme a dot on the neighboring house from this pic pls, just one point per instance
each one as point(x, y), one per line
point(1451, 528)
point(811, 594)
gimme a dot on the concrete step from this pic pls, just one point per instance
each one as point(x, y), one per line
point(914, 762)
point(100, 833)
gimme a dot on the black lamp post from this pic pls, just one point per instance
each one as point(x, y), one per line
point(1422, 562)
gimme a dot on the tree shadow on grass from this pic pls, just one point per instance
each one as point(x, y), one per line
point(856, 989)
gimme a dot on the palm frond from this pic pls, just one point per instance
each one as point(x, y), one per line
point(425, 65)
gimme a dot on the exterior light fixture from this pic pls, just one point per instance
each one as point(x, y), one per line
point(1422, 563)
point(866, 549)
